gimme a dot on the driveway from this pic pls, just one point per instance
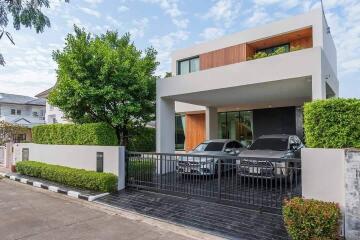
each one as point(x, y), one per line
point(217, 219)
point(29, 213)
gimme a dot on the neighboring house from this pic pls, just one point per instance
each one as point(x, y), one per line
point(22, 110)
point(53, 114)
point(216, 91)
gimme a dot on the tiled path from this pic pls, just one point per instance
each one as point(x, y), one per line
point(226, 221)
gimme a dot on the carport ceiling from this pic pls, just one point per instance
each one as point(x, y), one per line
point(268, 92)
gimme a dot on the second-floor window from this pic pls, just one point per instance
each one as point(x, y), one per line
point(35, 114)
point(271, 50)
point(14, 111)
point(188, 66)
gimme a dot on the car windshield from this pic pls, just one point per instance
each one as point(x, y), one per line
point(210, 147)
point(275, 144)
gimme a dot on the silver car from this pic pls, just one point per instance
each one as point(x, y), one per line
point(203, 160)
point(271, 156)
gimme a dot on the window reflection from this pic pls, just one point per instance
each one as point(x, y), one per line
point(180, 132)
point(236, 125)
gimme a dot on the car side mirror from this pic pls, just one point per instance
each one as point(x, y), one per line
point(293, 147)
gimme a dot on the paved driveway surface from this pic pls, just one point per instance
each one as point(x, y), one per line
point(222, 220)
point(28, 213)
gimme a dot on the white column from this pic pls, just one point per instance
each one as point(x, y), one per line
point(318, 87)
point(121, 168)
point(165, 125)
point(211, 123)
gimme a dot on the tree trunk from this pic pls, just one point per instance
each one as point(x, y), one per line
point(122, 136)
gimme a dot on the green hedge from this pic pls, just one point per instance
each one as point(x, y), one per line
point(311, 219)
point(79, 178)
point(75, 134)
point(332, 123)
point(143, 141)
point(141, 170)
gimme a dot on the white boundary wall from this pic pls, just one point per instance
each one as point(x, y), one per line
point(333, 175)
point(77, 156)
point(323, 172)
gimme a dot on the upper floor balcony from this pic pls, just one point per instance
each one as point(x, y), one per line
point(275, 45)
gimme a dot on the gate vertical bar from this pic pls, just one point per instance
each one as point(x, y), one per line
point(219, 179)
point(161, 169)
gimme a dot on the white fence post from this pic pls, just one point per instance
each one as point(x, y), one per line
point(2, 155)
point(8, 155)
point(122, 172)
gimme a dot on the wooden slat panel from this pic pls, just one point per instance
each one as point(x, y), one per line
point(221, 57)
point(282, 39)
point(303, 42)
point(241, 52)
point(195, 130)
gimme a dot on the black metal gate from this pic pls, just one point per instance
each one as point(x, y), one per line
point(254, 182)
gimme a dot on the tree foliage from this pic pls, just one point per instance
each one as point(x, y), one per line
point(105, 79)
point(8, 131)
point(27, 13)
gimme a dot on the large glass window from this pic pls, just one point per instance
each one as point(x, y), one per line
point(188, 66)
point(271, 50)
point(236, 125)
point(180, 132)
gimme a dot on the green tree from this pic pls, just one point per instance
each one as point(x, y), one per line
point(24, 13)
point(8, 131)
point(105, 79)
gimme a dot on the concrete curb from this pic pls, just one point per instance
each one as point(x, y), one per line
point(56, 189)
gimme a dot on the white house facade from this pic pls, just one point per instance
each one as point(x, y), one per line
point(22, 110)
point(220, 89)
point(53, 114)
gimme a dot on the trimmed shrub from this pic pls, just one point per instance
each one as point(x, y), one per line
point(332, 123)
point(79, 178)
point(75, 134)
point(307, 219)
point(144, 141)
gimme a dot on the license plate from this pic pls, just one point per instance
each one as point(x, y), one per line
point(254, 170)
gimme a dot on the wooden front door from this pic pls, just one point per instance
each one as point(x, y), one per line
point(195, 130)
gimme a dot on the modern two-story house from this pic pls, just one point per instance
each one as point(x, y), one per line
point(246, 84)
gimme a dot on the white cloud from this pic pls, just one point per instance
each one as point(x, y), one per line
point(90, 11)
point(139, 26)
point(224, 12)
point(122, 8)
point(281, 3)
point(171, 8)
point(165, 45)
point(258, 16)
point(212, 33)
point(27, 82)
point(93, 2)
point(113, 21)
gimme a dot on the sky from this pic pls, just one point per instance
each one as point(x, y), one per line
point(168, 25)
